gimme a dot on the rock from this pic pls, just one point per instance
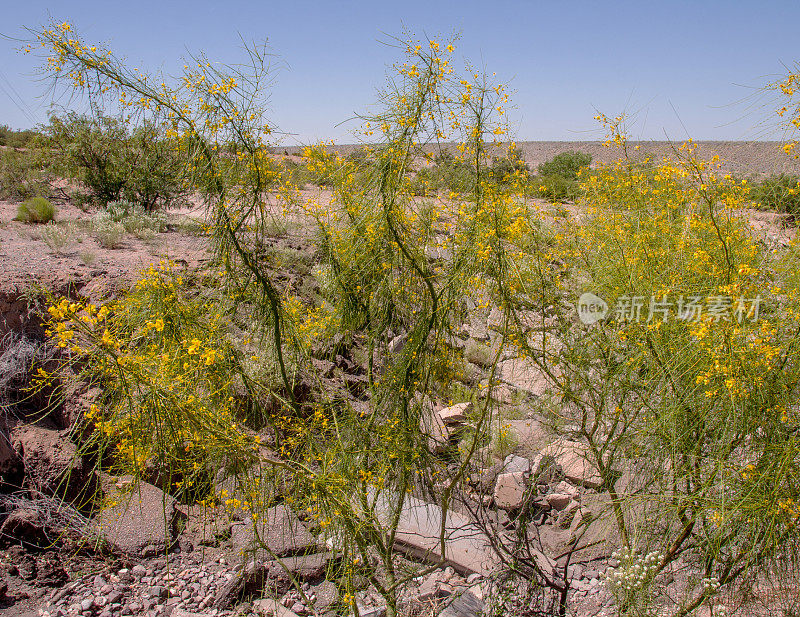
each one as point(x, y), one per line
point(272, 608)
point(24, 526)
point(439, 434)
point(509, 490)
point(182, 612)
point(278, 533)
point(10, 462)
point(370, 611)
point(141, 523)
point(397, 344)
point(566, 488)
point(52, 464)
point(466, 547)
point(524, 375)
point(514, 463)
point(327, 596)
point(574, 459)
point(488, 477)
point(558, 501)
point(455, 414)
point(307, 567)
point(255, 577)
point(466, 604)
point(566, 515)
point(433, 589)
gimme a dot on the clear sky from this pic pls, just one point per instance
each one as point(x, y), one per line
point(679, 66)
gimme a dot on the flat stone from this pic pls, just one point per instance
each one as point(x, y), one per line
point(278, 533)
point(509, 490)
point(558, 501)
point(465, 604)
point(514, 463)
point(307, 567)
point(524, 375)
point(575, 460)
point(466, 547)
point(143, 518)
point(455, 414)
point(272, 608)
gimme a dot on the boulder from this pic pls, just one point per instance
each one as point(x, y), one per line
point(575, 461)
point(140, 521)
point(524, 375)
point(23, 525)
point(514, 463)
point(327, 596)
point(558, 501)
point(509, 490)
point(278, 533)
point(52, 464)
point(455, 414)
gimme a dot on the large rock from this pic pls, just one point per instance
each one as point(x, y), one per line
point(455, 414)
point(576, 462)
point(524, 375)
point(141, 521)
point(277, 533)
point(431, 425)
point(52, 464)
point(509, 490)
point(419, 529)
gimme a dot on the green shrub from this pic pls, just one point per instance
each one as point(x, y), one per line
point(107, 232)
point(15, 139)
point(56, 237)
point(113, 162)
point(778, 192)
point(36, 210)
point(557, 188)
point(507, 168)
point(21, 176)
point(566, 165)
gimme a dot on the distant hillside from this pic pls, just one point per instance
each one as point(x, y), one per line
point(746, 158)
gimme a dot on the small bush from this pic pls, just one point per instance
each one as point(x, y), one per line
point(566, 165)
point(135, 220)
point(56, 237)
point(107, 232)
point(779, 192)
point(557, 188)
point(21, 176)
point(36, 210)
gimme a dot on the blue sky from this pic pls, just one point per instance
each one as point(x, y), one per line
point(680, 67)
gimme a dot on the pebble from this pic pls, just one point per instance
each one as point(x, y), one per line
point(87, 604)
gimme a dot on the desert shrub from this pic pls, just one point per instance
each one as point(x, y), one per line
point(509, 168)
point(108, 233)
point(566, 164)
point(56, 237)
point(693, 370)
point(114, 161)
point(557, 178)
point(557, 188)
point(780, 193)
point(36, 210)
point(136, 220)
point(15, 139)
point(21, 175)
point(346, 462)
